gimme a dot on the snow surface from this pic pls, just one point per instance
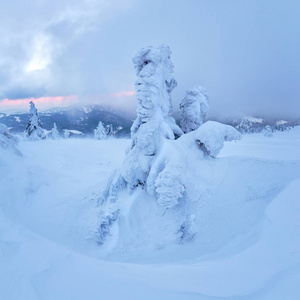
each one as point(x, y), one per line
point(244, 210)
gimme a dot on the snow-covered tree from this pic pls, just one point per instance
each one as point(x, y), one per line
point(100, 132)
point(194, 108)
point(54, 132)
point(154, 123)
point(109, 130)
point(267, 131)
point(250, 124)
point(67, 133)
point(156, 160)
point(34, 129)
point(8, 141)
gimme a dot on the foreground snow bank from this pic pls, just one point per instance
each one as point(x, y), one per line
point(243, 207)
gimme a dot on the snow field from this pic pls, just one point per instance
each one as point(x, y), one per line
point(243, 209)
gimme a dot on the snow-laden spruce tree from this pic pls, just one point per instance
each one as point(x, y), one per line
point(194, 108)
point(34, 129)
point(154, 123)
point(100, 132)
point(8, 141)
point(54, 132)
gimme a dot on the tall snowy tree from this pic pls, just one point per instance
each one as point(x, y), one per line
point(154, 123)
point(100, 132)
point(54, 132)
point(34, 129)
point(194, 108)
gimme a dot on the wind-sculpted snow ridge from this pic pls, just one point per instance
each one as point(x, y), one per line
point(210, 137)
point(8, 141)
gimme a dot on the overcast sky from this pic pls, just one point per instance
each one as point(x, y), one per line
point(245, 52)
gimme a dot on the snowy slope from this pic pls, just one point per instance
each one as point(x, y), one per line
point(244, 210)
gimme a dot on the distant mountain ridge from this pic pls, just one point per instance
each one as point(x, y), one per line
point(83, 118)
point(251, 124)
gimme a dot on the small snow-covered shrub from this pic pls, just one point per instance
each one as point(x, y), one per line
point(54, 132)
point(194, 108)
point(267, 131)
point(8, 141)
point(100, 132)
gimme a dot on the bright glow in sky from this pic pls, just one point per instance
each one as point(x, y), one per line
point(245, 53)
point(41, 55)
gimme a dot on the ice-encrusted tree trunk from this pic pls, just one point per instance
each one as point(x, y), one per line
point(154, 123)
point(109, 130)
point(54, 132)
point(34, 129)
point(100, 132)
point(194, 108)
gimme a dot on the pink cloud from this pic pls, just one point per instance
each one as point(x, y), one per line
point(119, 99)
point(41, 102)
point(122, 94)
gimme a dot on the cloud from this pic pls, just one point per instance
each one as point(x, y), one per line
point(35, 36)
point(123, 100)
point(244, 52)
